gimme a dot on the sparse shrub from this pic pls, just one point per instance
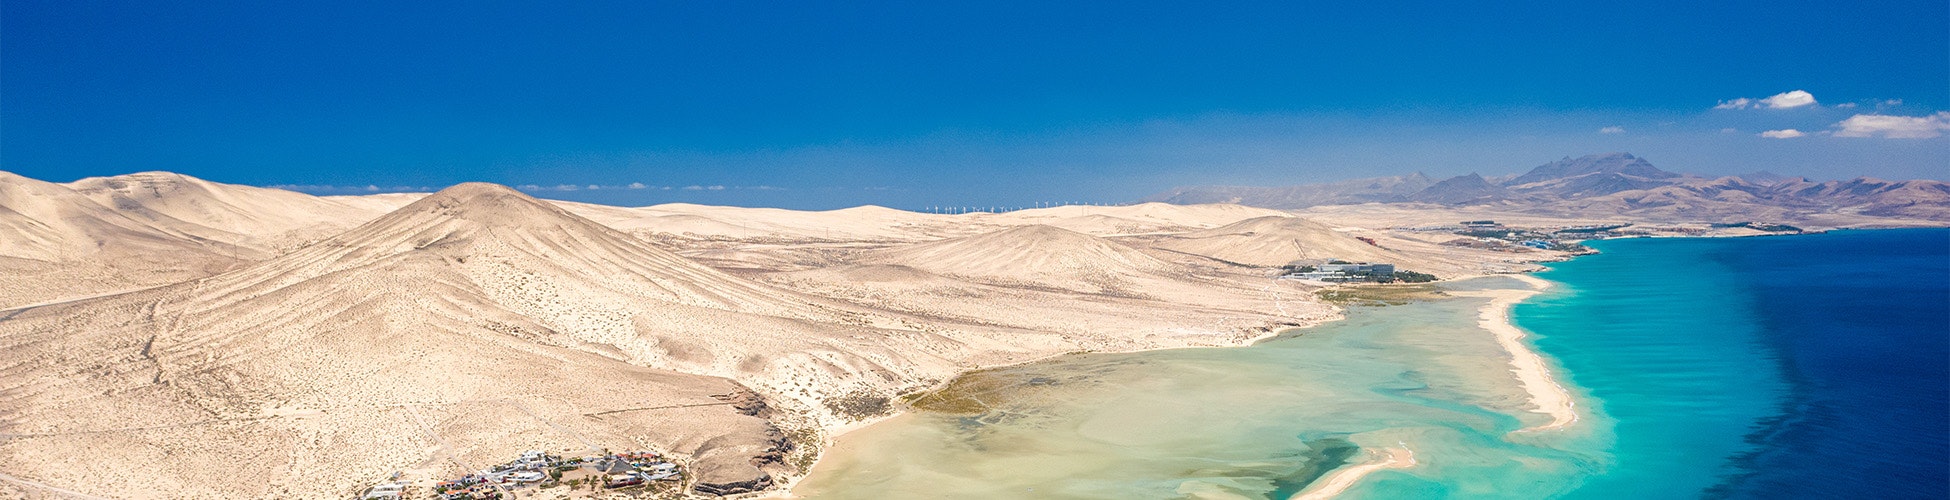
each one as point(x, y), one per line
point(859, 404)
point(1414, 277)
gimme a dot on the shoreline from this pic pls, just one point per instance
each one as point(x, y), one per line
point(784, 489)
point(1547, 395)
point(1344, 478)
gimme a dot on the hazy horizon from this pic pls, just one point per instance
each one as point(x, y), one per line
point(909, 106)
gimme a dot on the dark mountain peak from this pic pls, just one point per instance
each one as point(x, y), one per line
point(1460, 190)
point(1607, 163)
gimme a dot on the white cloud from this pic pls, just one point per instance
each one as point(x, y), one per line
point(1782, 134)
point(1846, 105)
point(1789, 99)
point(1895, 127)
point(1784, 100)
point(1741, 103)
point(637, 185)
point(693, 188)
point(1614, 129)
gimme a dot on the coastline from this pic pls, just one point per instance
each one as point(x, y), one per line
point(1340, 480)
point(1547, 395)
point(784, 489)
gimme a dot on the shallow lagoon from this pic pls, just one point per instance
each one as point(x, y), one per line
point(1254, 422)
point(1759, 367)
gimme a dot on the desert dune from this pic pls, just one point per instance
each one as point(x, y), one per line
point(469, 324)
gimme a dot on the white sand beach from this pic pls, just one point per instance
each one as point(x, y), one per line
point(1338, 482)
point(1547, 395)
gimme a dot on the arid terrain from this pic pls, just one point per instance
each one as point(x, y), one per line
point(163, 336)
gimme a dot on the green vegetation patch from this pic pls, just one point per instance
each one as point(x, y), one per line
point(860, 404)
point(806, 443)
point(1380, 295)
point(972, 393)
point(1413, 277)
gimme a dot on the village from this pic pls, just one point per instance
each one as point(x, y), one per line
point(539, 475)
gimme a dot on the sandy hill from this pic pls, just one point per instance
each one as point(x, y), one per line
point(1275, 241)
point(1107, 225)
point(863, 223)
point(63, 244)
point(107, 234)
point(377, 203)
point(1033, 254)
point(255, 217)
point(643, 222)
point(463, 327)
point(1160, 215)
point(1352, 191)
point(51, 222)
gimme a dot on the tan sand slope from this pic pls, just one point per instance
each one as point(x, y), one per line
point(1162, 216)
point(467, 325)
point(109, 234)
point(260, 217)
point(51, 222)
point(473, 322)
point(1275, 241)
point(863, 223)
point(1033, 254)
point(60, 244)
point(405, 341)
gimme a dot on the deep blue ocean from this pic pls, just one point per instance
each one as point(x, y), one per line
point(1808, 366)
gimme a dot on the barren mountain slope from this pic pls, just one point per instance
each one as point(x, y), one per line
point(1162, 215)
point(474, 296)
point(863, 223)
point(261, 218)
point(1034, 255)
point(1623, 186)
point(1275, 241)
point(405, 333)
point(109, 234)
point(60, 244)
point(1372, 190)
point(1107, 225)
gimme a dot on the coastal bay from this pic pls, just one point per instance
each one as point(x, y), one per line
point(1648, 388)
point(1416, 395)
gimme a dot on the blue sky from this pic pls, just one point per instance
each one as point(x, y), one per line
point(821, 105)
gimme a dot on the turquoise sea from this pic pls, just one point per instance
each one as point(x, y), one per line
point(1812, 366)
point(1803, 366)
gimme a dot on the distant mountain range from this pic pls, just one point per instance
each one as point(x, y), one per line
point(1613, 184)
